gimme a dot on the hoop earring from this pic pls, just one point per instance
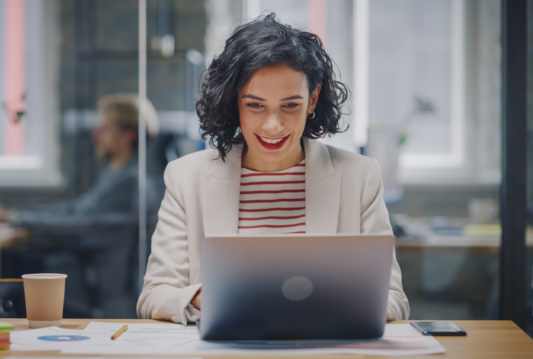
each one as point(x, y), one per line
point(312, 116)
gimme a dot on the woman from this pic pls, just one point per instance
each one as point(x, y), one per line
point(265, 101)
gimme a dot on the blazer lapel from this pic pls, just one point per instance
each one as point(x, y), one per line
point(322, 192)
point(322, 189)
point(221, 194)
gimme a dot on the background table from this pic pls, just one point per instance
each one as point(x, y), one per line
point(427, 239)
point(485, 339)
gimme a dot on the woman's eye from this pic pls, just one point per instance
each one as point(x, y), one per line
point(253, 105)
point(291, 105)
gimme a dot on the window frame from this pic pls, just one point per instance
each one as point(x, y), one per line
point(460, 165)
point(42, 63)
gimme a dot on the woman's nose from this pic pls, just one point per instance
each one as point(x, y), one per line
point(272, 124)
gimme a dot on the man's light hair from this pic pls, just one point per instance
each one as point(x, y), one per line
point(124, 109)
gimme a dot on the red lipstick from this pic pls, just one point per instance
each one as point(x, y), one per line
point(273, 146)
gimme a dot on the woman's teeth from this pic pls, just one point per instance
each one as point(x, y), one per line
point(267, 140)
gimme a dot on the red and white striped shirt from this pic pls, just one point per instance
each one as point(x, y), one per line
point(272, 202)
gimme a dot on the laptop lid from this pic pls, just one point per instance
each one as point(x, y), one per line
point(295, 286)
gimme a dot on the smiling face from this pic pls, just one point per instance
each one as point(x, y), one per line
point(273, 110)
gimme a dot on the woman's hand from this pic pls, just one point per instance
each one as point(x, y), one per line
point(196, 300)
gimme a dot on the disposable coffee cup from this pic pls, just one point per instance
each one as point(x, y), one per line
point(45, 295)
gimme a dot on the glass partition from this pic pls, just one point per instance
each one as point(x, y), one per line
point(69, 149)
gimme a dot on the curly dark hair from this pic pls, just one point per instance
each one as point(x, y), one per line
point(267, 42)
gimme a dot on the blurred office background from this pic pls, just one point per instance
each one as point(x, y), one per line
point(425, 78)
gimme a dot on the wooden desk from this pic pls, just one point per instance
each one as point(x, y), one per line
point(485, 339)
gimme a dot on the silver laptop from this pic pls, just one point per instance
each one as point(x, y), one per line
point(305, 286)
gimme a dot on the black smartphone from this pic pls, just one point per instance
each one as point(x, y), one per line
point(438, 328)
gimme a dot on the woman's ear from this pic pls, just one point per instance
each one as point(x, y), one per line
point(314, 98)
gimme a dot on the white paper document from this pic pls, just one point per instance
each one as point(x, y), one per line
point(141, 328)
point(98, 339)
point(153, 339)
point(53, 338)
point(128, 345)
point(138, 339)
point(399, 339)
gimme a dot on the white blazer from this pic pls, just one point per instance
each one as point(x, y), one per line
point(343, 194)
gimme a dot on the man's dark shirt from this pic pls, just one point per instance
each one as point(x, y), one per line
point(94, 217)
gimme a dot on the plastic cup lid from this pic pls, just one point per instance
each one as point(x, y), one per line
point(44, 276)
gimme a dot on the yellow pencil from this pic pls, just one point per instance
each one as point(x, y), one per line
point(119, 332)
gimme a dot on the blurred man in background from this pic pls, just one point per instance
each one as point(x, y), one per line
point(93, 238)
